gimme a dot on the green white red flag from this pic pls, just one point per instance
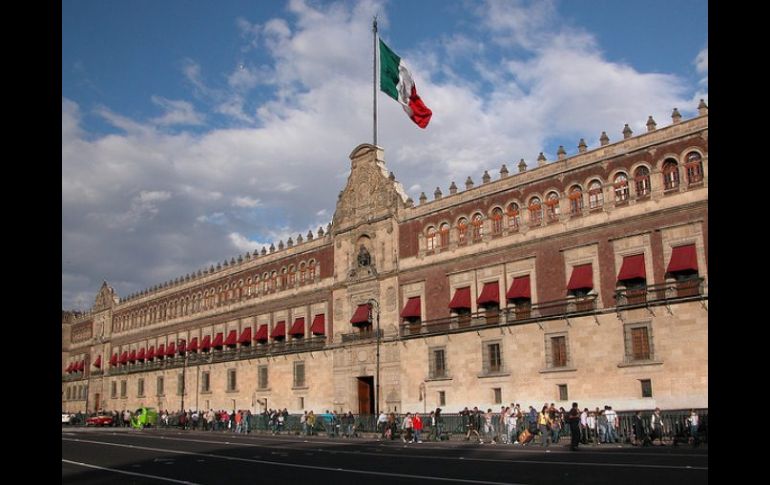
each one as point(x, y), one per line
point(396, 82)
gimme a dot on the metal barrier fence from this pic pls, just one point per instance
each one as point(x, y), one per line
point(675, 426)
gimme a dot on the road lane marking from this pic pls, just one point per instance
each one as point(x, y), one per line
point(290, 465)
point(115, 470)
point(490, 460)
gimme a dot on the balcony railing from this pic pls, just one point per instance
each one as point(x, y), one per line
point(362, 335)
point(660, 293)
point(518, 314)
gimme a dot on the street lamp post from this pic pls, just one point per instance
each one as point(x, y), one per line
point(181, 343)
point(377, 363)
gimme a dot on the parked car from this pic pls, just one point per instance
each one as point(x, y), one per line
point(99, 420)
point(66, 418)
point(144, 417)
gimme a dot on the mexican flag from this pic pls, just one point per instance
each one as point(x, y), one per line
point(396, 82)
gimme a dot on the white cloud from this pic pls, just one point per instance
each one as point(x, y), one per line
point(702, 61)
point(242, 243)
point(246, 202)
point(178, 112)
point(289, 152)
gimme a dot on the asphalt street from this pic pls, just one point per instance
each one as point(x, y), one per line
point(155, 456)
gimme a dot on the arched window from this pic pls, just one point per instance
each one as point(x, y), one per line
point(477, 224)
point(575, 200)
point(444, 234)
point(514, 215)
point(284, 278)
point(430, 237)
point(595, 194)
point(694, 167)
point(302, 271)
point(535, 211)
point(670, 175)
point(273, 279)
point(552, 204)
point(642, 181)
point(311, 270)
point(620, 185)
point(462, 231)
point(497, 221)
point(292, 275)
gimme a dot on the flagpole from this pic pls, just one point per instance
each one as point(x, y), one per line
point(374, 78)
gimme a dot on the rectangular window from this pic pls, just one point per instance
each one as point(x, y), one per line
point(559, 351)
point(299, 374)
point(159, 385)
point(498, 393)
point(563, 395)
point(140, 388)
point(638, 342)
point(231, 380)
point(442, 398)
point(123, 386)
point(646, 387)
point(437, 363)
point(179, 384)
point(301, 402)
point(262, 377)
point(113, 389)
point(69, 394)
point(204, 382)
point(492, 358)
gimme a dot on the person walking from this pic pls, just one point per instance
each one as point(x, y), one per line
point(573, 418)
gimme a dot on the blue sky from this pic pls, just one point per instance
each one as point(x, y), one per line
point(195, 131)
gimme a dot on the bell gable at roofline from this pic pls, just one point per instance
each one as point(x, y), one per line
point(370, 193)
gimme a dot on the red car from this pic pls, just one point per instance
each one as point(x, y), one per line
point(99, 420)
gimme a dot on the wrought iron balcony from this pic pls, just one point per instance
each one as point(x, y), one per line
point(517, 314)
point(663, 293)
point(366, 333)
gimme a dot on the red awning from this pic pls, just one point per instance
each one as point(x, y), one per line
point(261, 335)
point(490, 294)
point(520, 288)
point(319, 325)
point(69, 368)
point(279, 330)
point(683, 258)
point(462, 299)
point(161, 351)
point(82, 365)
point(193, 345)
point(132, 356)
point(150, 353)
point(124, 357)
point(412, 308)
point(632, 268)
point(582, 277)
point(140, 354)
point(298, 328)
point(206, 344)
point(171, 349)
point(232, 338)
point(361, 315)
point(182, 347)
point(98, 361)
point(218, 340)
point(245, 336)
point(114, 359)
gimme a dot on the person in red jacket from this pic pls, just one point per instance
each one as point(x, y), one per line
point(417, 427)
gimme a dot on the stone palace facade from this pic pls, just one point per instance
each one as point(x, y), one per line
point(581, 279)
